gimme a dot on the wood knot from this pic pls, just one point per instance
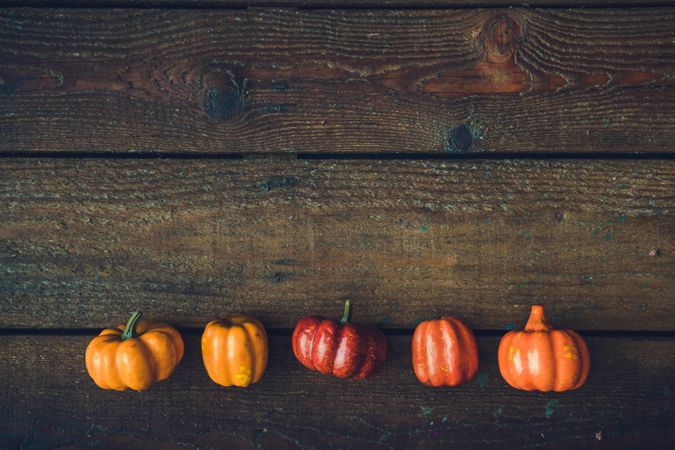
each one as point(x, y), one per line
point(223, 104)
point(6, 85)
point(461, 139)
point(502, 35)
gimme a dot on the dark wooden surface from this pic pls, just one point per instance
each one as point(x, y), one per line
point(91, 240)
point(317, 81)
point(469, 159)
point(366, 4)
point(626, 403)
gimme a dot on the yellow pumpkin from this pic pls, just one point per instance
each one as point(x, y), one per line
point(235, 350)
point(134, 356)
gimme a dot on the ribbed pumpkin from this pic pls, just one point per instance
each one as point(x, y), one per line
point(342, 349)
point(444, 352)
point(542, 358)
point(134, 356)
point(235, 350)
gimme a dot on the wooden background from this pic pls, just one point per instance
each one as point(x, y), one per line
point(192, 158)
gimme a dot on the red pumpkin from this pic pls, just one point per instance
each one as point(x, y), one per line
point(444, 352)
point(342, 349)
point(543, 359)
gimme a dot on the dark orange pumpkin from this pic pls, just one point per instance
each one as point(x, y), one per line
point(444, 352)
point(543, 359)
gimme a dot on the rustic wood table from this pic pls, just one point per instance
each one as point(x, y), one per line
point(192, 158)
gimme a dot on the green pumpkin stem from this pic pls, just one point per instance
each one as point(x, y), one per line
point(346, 315)
point(130, 329)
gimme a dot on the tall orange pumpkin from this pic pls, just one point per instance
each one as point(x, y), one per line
point(134, 356)
point(444, 352)
point(542, 358)
point(235, 350)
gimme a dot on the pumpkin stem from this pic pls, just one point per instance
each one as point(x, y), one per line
point(130, 329)
point(346, 315)
point(537, 321)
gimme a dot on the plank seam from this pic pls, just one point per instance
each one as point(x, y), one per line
point(192, 331)
point(210, 5)
point(344, 156)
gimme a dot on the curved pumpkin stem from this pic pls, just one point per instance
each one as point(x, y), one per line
point(346, 315)
point(130, 328)
point(537, 321)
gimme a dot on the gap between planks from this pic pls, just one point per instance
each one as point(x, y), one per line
point(340, 4)
point(342, 156)
point(275, 332)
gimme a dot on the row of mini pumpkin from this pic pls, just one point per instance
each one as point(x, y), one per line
point(234, 349)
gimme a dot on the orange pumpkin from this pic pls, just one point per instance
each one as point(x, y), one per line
point(543, 359)
point(134, 356)
point(444, 352)
point(235, 350)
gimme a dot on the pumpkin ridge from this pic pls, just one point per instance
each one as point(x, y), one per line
point(554, 359)
point(377, 352)
point(363, 340)
point(526, 383)
point(366, 340)
point(156, 357)
point(503, 353)
point(423, 362)
point(173, 334)
point(418, 366)
point(434, 349)
point(90, 362)
point(334, 326)
point(310, 357)
point(466, 340)
point(584, 358)
point(249, 347)
point(114, 378)
point(130, 376)
point(240, 370)
point(221, 336)
point(253, 325)
point(169, 341)
point(451, 354)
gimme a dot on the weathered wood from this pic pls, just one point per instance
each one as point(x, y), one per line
point(286, 80)
point(337, 3)
point(84, 242)
point(48, 400)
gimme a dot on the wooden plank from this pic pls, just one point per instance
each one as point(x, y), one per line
point(49, 401)
point(337, 3)
point(287, 80)
point(91, 240)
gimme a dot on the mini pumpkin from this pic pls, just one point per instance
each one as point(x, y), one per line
point(541, 358)
point(134, 356)
point(342, 349)
point(444, 352)
point(234, 350)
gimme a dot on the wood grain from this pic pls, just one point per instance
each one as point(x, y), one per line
point(85, 242)
point(49, 401)
point(336, 3)
point(316, 81)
